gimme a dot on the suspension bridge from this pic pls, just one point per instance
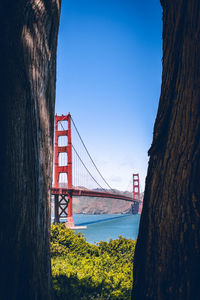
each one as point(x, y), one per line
point(74, 178)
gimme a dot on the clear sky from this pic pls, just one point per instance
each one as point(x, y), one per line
point(109, 77)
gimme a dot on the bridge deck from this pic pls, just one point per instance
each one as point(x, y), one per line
point(91, 193)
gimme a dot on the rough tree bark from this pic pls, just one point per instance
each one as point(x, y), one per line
point(28, 34)
point(167, 257)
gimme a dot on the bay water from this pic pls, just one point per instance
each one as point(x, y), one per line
point(106, 227)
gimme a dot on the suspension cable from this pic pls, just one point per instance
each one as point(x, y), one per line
point(90, 156)
point(87, 168)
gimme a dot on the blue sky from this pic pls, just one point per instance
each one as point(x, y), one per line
point(109, 77)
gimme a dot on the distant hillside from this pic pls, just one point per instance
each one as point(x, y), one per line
point(91, 205)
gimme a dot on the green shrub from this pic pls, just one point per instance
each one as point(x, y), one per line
point(81, 271)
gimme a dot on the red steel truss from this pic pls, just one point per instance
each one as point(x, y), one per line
point(90, 193)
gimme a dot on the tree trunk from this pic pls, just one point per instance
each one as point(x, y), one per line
point(28, 35)
point(167, 257)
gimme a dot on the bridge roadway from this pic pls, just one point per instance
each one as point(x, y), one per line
point(90, 193)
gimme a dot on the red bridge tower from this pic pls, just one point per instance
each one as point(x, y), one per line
point(136, 191)
point(63, 202)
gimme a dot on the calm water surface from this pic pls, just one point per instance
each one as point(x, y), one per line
point(106, 227)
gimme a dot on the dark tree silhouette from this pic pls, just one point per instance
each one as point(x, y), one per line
point(167, 257)
point(28, 34)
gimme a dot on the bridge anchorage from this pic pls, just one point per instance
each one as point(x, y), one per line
point(64, 190)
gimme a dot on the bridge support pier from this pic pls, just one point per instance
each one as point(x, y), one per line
point(63, 209)
point(70, 221)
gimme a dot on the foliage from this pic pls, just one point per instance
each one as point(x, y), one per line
point(81, 271)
